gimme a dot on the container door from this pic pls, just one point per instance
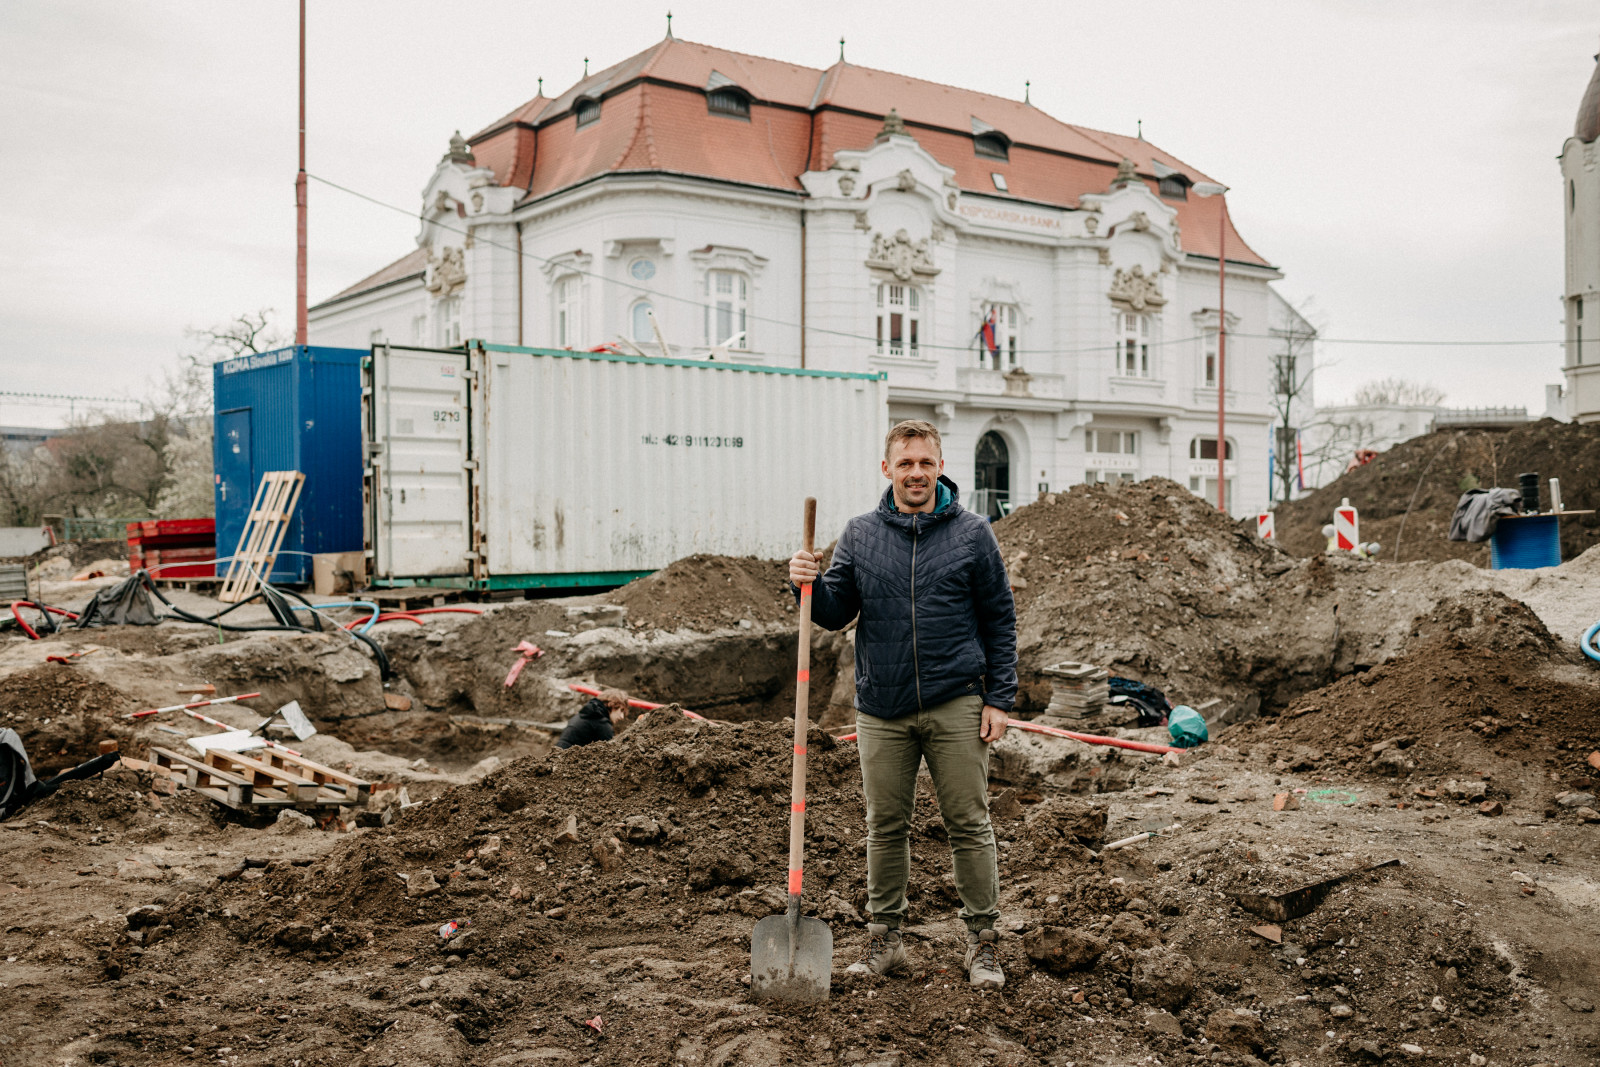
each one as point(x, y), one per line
point(420, 419)
point(236, 481)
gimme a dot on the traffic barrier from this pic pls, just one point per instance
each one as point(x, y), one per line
point(1346, 527)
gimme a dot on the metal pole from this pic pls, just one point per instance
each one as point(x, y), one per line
point(300, 200)
point(1222, 356)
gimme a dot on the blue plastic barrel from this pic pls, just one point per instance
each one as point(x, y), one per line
point(1523, 542)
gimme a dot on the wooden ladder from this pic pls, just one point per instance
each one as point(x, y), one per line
point(262, 535)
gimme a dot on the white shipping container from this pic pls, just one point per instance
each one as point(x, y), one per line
point(508, 467)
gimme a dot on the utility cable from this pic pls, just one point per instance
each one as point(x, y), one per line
point(644, 290)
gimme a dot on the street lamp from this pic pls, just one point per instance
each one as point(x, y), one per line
point(1215, 189)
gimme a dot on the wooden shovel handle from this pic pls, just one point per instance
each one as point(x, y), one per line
point(802, 707)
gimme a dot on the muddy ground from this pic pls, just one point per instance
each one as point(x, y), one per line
point(611, 889)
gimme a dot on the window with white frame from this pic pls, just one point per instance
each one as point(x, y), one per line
point(569, 311)
point(1206, 448)
point(1096, 477)
point(639, 328)
point(447, 322)
point(1114, 442)
point(419, 329)
point(1206, 489)
point(727, 309)
point(899, 320)
point(1133, 346)
point(1208, 360)
point(1007, 337)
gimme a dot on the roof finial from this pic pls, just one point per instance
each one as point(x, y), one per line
point(585, 66)
point(1027, 92)
point(669, 25)
point(541, 86)
point(841, 49)
point(1126, 172)
point(459, 152)
point(1141, 129)
point(893, 126)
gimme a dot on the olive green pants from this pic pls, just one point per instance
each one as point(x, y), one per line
point(947, 737)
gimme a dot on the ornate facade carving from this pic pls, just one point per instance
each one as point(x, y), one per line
point(847, 184)
point(1091, 223)
point(901, 256)
point(905, 181)
point(1141, 221)
point(1134, 290)
point(447, 272)
point(1105, 257)
point(1017, 381)
point(1125, 173)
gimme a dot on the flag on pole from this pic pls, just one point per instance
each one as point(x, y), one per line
point(988, 336)
point(1300, 461)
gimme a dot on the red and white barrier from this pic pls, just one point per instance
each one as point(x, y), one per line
point(1266, 528)
point(1346, 527)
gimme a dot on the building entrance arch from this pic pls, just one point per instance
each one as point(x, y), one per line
point(992, 477)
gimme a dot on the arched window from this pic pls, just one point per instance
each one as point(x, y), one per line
point(727, 304)
point(899, 320)
point(728, 101)
point(1206, 448)
point(992, 146)
point(639, 322)
point(569, 311)
point(587, 110)
point(448, 322)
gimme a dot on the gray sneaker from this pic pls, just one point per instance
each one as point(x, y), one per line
point(983, 960)
point(885, 951)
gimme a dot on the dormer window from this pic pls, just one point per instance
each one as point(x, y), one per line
point(728, 101)
point(1174, 187)
point(992, 146)
point(587, 110)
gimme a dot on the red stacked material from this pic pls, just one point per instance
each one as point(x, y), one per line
point(173, 548)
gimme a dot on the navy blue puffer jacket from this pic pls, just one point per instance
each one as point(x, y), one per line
point(937, 619)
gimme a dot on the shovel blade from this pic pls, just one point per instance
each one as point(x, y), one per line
point(772, 978)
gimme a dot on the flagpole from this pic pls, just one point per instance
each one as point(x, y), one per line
point(300, 200)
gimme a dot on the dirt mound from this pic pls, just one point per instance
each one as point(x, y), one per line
point(709, 593)
point(62, 715)
point(1428, 474)
point(1482, 682)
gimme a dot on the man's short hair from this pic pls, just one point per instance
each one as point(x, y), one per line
point(910, 428)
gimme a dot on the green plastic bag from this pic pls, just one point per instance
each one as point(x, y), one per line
point(1186, 726)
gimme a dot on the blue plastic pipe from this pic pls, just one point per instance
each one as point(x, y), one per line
point(1587, 642)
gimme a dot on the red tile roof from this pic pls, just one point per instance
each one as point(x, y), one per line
point(654, 118)
point(413, 262)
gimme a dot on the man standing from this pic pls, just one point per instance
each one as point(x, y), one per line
point(936, 675)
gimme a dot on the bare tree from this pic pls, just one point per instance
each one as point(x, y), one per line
point(241, 335)
point(1398, 391)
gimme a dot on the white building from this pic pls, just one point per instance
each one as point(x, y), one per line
point(1580, 172)
point(855, 219)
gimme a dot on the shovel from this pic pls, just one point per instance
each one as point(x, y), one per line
point(791, 958)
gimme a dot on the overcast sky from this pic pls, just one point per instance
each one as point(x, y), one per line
point(1396, 160)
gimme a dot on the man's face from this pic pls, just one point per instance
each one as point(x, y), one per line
point(914, 466)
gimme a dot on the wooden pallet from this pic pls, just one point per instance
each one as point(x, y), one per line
point(266, 778)
point(263, 534)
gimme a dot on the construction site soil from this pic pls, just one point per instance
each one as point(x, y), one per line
point(1418, 482)
point(1434, 714)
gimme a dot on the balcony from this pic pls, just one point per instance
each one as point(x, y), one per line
point(980, 381)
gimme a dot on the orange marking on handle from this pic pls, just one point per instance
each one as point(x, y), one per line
point(798, 806)
point(802, 675)
point(805, 591)
point(794, 883)
point(799, 750)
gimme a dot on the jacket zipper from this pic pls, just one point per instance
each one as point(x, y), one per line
point(916, 663)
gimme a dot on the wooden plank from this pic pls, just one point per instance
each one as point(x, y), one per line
point(202, 776)
point(317, 772)
point(298, 789)
point(260, 541)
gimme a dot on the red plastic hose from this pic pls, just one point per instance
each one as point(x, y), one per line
point(16, 611)
point(641, 705)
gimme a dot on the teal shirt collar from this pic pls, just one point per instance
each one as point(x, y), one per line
point(942, 497)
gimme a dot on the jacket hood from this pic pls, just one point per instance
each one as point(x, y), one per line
point(949, 505)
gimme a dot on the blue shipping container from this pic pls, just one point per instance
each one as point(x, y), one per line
point(296, 408)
